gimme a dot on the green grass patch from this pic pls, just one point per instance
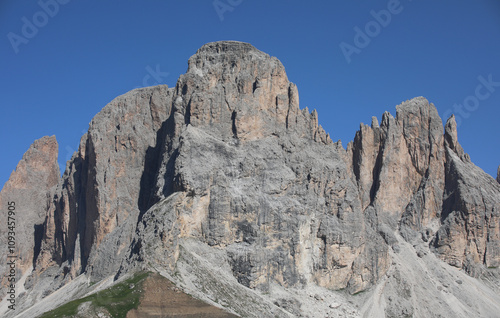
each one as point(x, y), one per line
point(118, 300)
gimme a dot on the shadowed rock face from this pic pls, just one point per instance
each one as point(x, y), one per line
point(226, 161)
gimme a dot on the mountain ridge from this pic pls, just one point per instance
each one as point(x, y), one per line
point(226, 163)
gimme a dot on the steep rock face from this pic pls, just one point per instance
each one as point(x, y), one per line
point(98, 201)
point(425, 140)
point(417, 179)
point(27, 191)
point(469, 235)
point(258, 177)
point(226, 165)
point(392, 163)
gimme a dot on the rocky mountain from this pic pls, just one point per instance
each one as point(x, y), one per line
point(27, 192)
point(226, 187)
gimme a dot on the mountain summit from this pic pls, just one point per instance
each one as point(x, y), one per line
point(223, 185)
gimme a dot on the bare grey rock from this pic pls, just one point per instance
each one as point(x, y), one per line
point(92, 216)
point(256, 171)
point(27, 192)
point(227, 187)
point(469, 236)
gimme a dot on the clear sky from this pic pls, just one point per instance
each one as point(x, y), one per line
point(61, 61)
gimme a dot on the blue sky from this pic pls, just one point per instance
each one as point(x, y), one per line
point(62, 61)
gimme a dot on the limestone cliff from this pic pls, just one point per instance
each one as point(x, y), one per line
point(257, 176)
point(105, 185)
point(27, 190)
point(469, 235)
point(223, 184)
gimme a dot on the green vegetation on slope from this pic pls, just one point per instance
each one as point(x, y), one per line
point(118, 300)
